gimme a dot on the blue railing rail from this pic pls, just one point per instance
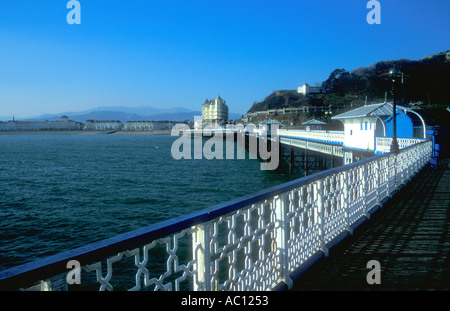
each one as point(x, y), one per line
point(23, 275)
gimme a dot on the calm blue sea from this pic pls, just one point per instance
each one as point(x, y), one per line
point(59, 192)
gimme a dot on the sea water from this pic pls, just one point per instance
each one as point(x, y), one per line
point(59, 192)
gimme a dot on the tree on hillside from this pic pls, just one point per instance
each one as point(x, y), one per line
point(333, 82)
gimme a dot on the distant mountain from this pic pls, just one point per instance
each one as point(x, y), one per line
point(124, 114)
point(141, 110)
point(103, 115)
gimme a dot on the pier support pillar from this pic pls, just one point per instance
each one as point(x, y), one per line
point(305, 161)
point(291, 160)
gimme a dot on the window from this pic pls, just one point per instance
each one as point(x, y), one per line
point(361, 126)
point(351, 131)
point(366, 126)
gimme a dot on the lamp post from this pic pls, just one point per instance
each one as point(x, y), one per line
point(395, 76)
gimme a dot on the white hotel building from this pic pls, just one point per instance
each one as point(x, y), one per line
point(214, 112)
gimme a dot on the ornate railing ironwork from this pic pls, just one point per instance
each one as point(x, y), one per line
point(383, 144)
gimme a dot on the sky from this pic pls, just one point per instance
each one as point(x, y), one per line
point(179, 53)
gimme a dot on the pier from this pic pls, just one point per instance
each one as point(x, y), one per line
point(327, 149)
point(263, 241)
point(409, 237)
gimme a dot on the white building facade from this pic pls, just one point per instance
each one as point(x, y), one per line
point(363, 124)
point(142, 126)
point(214, 112)
point(107, 125)
point(306, 89)
point(64, 124)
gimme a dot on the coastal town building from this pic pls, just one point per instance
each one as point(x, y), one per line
point(107, 125)
point(306, 89)
point(143, 126)
point(63, 124)
point(214, 112)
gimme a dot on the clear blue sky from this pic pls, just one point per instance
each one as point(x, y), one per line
point(178, 53)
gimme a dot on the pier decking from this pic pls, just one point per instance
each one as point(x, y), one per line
point(409, 237)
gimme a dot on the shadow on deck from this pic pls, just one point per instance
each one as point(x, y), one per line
point(409, 237)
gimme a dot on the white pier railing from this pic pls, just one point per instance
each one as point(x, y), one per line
point(334, 150)
point(383, 144)
point(253, 243)
point(333, 137)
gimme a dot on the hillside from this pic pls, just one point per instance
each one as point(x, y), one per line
point(282, 99)
point(425, 80)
